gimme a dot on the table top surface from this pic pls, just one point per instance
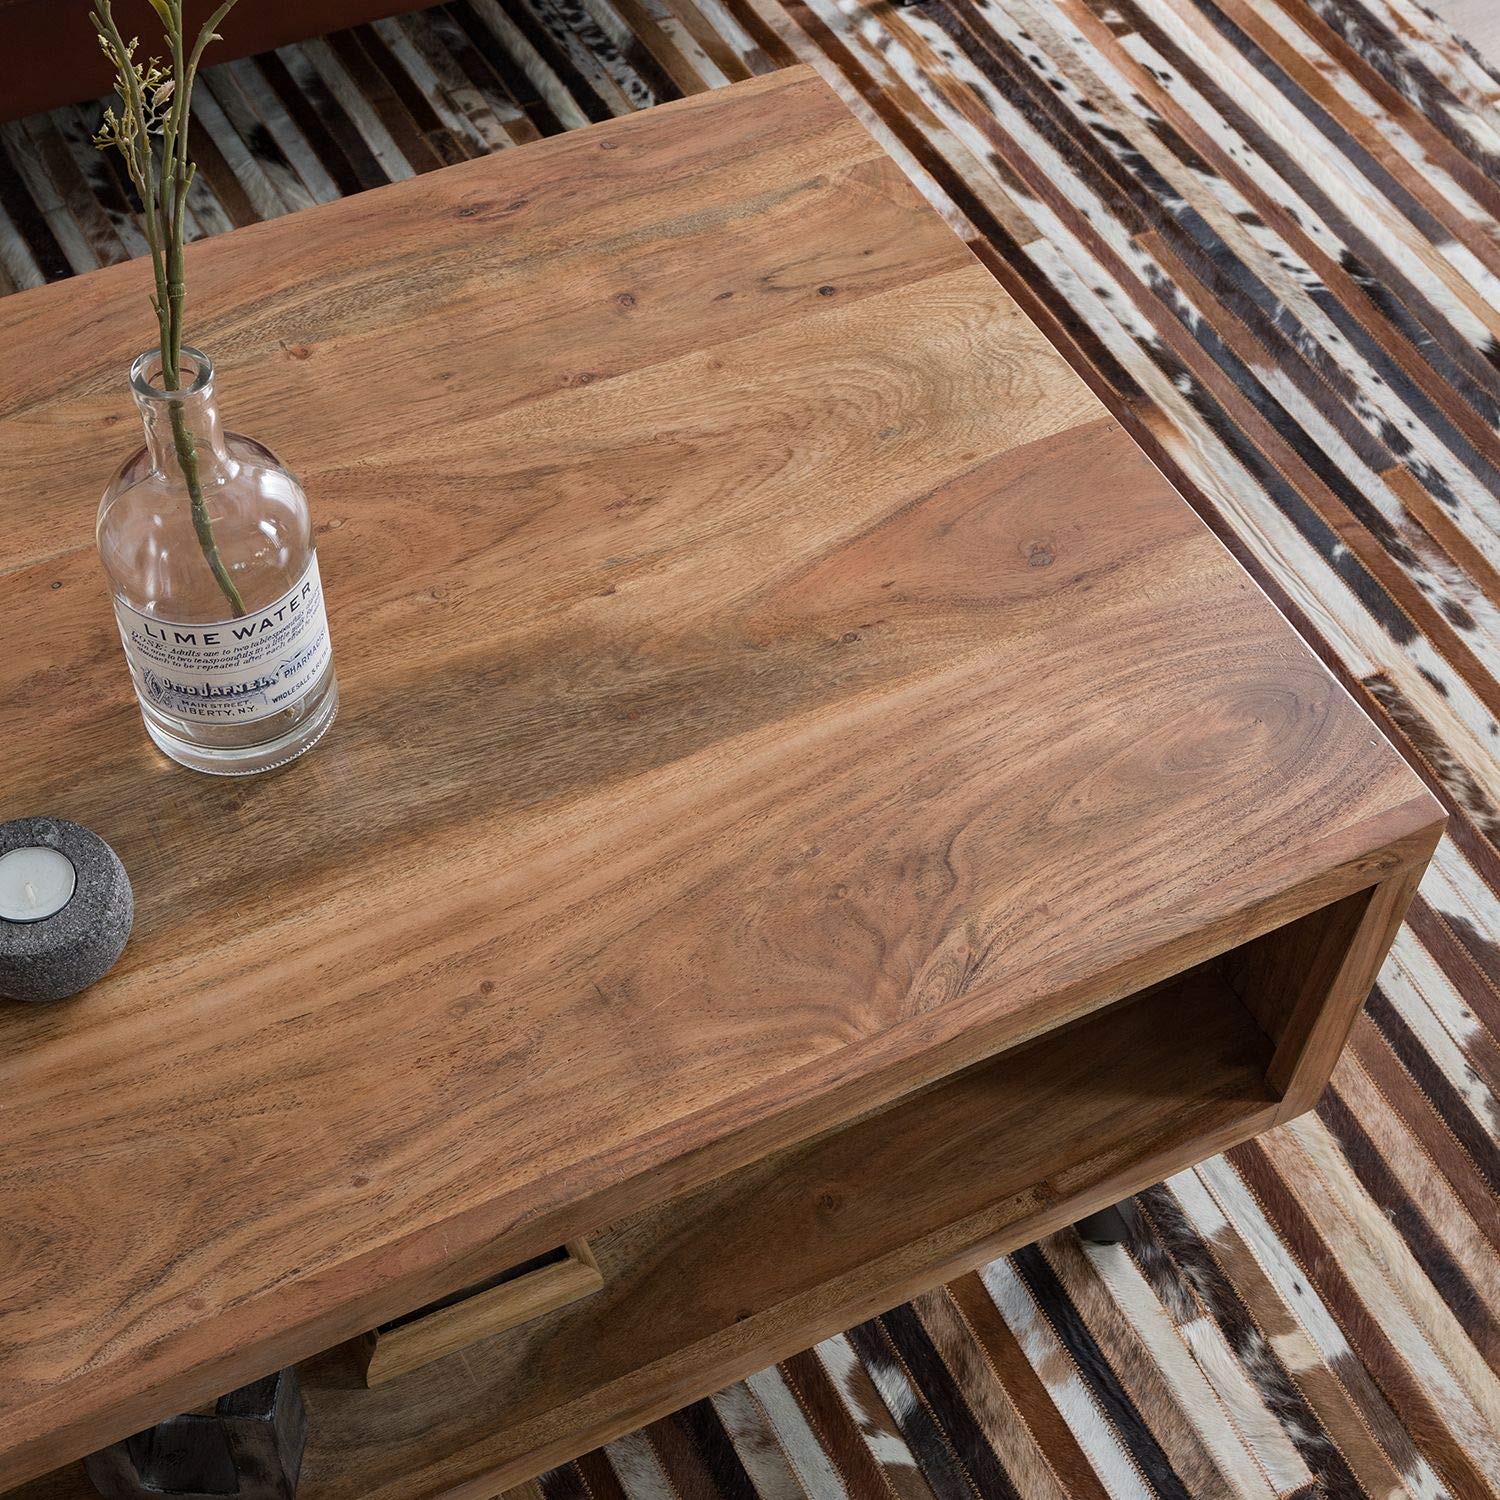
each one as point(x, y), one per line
point(771, 681)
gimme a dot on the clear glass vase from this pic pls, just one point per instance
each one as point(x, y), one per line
point(207, 542)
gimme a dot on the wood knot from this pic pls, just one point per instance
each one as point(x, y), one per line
point(1038, 554)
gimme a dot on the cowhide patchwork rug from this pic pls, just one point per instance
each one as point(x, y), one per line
point(1268, 232)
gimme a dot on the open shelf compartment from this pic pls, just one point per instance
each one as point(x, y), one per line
point(758, 1264)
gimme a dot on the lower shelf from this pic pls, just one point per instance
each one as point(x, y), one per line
point(763, 1262)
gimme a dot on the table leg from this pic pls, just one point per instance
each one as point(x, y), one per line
point(249, 1448)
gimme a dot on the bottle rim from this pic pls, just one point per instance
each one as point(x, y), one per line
point(146, 364)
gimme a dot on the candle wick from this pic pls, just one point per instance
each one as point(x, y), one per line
point(31, 894)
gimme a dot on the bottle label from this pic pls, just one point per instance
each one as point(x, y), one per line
point(236, 671)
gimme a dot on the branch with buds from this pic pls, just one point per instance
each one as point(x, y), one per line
point(150, 131)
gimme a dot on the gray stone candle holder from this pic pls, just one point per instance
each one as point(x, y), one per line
point(64, 953)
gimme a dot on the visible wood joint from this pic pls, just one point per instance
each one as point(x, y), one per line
point(1305, 982)
point(505, 1301)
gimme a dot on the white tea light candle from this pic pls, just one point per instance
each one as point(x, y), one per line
point(35, 883)
point(66, 908)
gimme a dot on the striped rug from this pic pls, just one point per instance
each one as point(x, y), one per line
point(1268, 233)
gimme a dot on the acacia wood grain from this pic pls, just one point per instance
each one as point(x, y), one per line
point(1328, 993)
point(1306, 981)
point(771, 683)
point(799, 1245)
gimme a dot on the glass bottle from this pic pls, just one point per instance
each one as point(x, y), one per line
point(219, 603)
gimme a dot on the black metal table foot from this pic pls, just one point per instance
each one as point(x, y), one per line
point(1110, 1226)
point(250, 1448)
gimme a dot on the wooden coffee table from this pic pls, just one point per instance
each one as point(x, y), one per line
point(813, 809)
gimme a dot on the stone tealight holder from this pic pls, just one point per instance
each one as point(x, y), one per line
point(60, 929)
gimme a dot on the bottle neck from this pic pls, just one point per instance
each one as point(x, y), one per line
point(180, 424)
